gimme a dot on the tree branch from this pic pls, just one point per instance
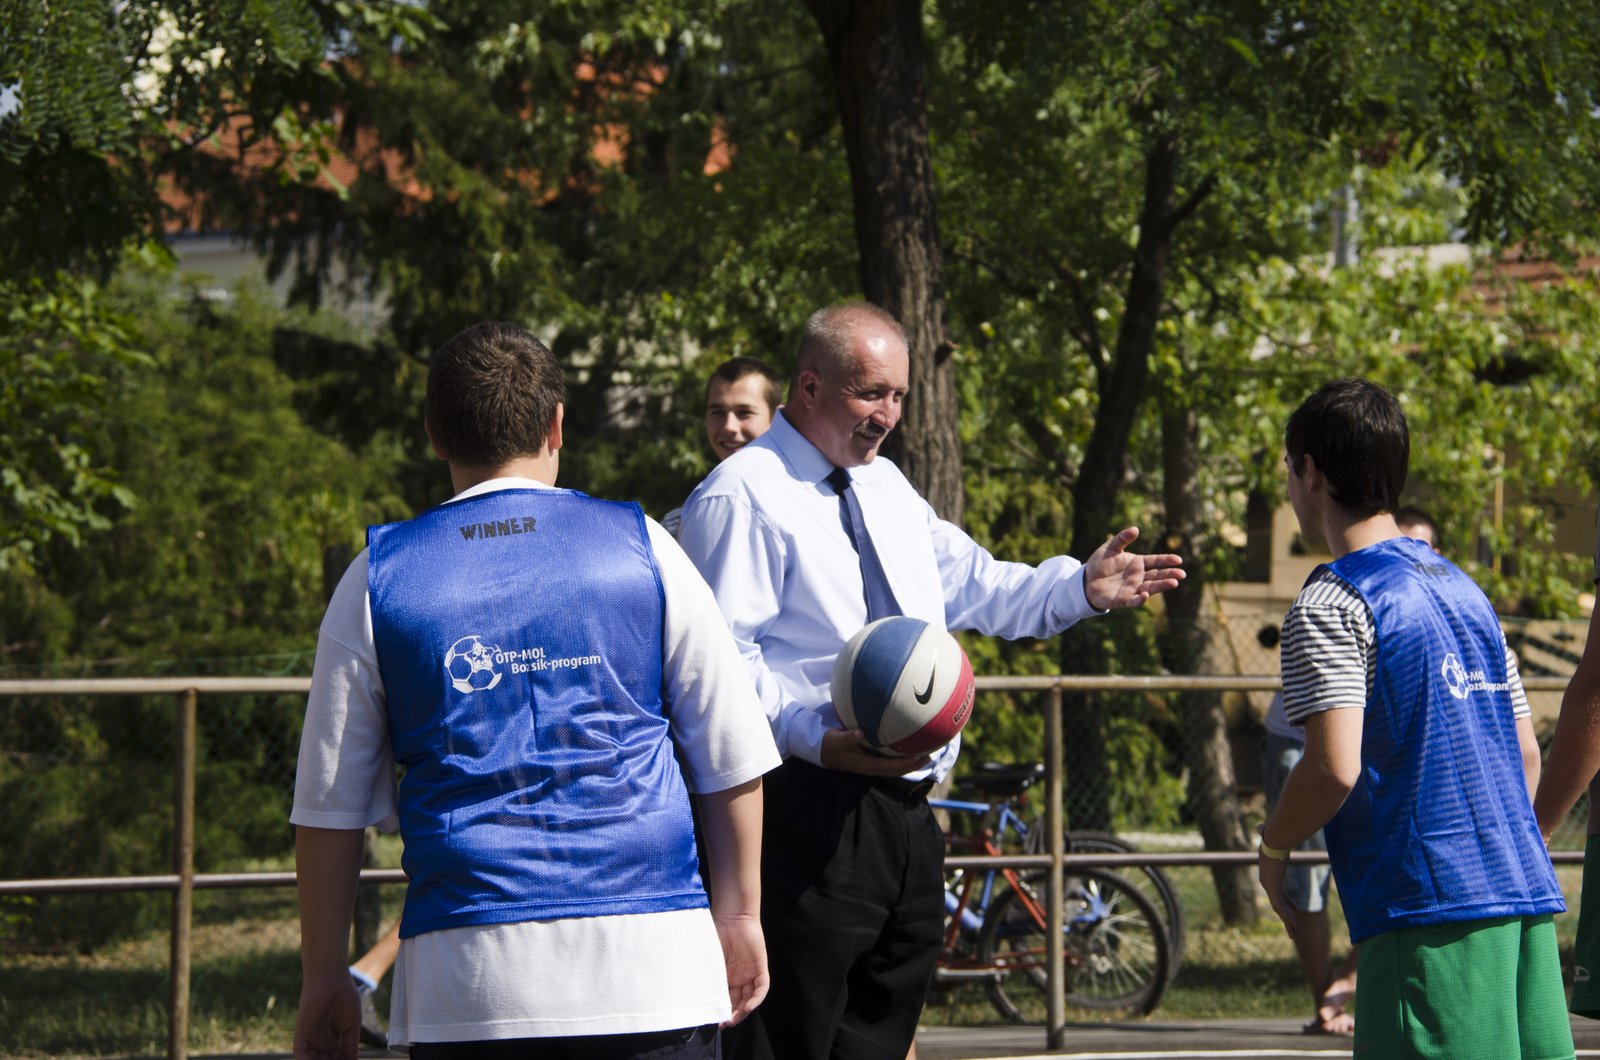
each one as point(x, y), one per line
point(1188, 206)
point(1093, 342)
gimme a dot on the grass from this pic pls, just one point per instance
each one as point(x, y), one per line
point(246, 978)
point(1229, 972)
point(244, 982)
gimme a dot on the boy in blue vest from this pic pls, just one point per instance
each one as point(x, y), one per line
point(556, 679)
point(1417, 762)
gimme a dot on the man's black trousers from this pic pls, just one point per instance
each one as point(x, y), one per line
point(852, 905)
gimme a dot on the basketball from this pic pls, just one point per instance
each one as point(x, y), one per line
point(904, 683)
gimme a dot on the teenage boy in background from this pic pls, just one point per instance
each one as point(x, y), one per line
point(1574, 761)
point(541, 662)
point(1418, 525)
point(1306, 887)
point(742, 396)
point(1417, 760)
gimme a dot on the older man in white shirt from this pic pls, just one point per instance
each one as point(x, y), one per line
point(804, 537)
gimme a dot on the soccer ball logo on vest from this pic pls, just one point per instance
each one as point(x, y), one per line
point(471, 665)
point(1455, 676)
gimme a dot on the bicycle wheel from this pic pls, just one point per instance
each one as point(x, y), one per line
point(1115, 942)
point(1152, 882)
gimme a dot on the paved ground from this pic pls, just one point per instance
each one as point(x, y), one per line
point(1155, 1040)
point(1158, 1040)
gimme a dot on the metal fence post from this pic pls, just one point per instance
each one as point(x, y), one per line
point(1056, 1002)
point(183, 865)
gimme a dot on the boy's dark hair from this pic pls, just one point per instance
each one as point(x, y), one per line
point(1411, 515)
point(492, 395)
point(737, 368)
point(1356, 434)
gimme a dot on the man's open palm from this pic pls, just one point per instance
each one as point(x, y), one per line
point(1115, 577)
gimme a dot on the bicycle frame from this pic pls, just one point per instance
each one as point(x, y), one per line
point(963, 918)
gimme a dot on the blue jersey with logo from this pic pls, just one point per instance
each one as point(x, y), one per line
point(519, 640)
point(1439, 827)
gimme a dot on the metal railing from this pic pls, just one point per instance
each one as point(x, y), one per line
point(183, 881)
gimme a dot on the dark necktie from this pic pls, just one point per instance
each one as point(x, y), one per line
point(880, 598)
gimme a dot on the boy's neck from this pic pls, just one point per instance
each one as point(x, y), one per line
point(1346, 532)
point(541, 468)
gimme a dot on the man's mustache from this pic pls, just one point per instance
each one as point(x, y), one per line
point(871, 430)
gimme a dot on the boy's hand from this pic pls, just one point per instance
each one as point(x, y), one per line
point(1271, 872)
point(744, 949)
point(329, 1023)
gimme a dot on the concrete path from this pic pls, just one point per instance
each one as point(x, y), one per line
point(1154, 1040)
point(1163, 1040)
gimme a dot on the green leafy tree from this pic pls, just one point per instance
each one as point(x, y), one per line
point(219, 568)
point(105, 105)
point(60, 344)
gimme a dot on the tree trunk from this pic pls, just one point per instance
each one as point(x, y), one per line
point(875, 48)
point(1121, 383)
point(1186, 649)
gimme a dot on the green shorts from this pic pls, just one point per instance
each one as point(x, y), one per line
point(1586, 952)
point(1488, 989)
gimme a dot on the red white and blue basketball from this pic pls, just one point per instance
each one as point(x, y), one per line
point(904, 683)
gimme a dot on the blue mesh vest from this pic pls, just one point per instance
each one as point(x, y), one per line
point(519, 639)
point(1438, 828)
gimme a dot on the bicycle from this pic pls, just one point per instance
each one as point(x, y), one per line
point(1117, 951)
point(1003, 779)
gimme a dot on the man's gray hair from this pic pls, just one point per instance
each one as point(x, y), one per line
point(826, 344)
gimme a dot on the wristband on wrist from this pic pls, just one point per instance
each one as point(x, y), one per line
point(1273, 852)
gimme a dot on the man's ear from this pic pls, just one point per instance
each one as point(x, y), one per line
point(552, 441)
point(805, 388)
point(433, 442)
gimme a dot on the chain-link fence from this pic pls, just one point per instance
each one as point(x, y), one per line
point(86, 784)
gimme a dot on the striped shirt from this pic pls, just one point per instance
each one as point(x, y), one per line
point(1329, 659)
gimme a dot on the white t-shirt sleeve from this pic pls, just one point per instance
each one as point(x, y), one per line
point(718, 723)
point(346, 773)
point(1327, 650)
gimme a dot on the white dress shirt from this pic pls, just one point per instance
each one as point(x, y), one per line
point(766, 532)
point(576, 976)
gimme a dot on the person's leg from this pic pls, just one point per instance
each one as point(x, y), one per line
point(1447, 990)
point(376, 962)
point(1586, 950)
point(368, 972)
point(1541, 1000)
point(1341, 991)
point(1311, 946)
point(1306, 888)
point(889, 985)
point(827, 887)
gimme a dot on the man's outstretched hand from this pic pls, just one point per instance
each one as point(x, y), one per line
point(1115, 577)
